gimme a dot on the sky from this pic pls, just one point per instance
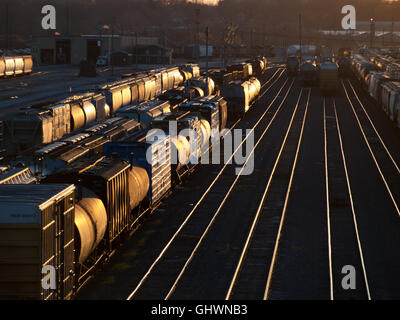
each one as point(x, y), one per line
point(209, 2)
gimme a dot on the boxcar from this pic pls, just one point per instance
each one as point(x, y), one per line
point(292, 65)
point(308, 73)
point(329, 77)
point(32, 218)
point(391, 101)
point(109, 180)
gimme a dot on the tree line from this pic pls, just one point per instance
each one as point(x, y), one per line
point(175, 22)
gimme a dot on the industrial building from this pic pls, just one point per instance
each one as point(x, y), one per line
point(73, 49)
point(152, 54)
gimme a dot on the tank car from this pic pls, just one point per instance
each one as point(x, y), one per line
point(292, 65)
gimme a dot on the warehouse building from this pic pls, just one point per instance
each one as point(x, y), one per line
point(152, 54)
point(71, 50)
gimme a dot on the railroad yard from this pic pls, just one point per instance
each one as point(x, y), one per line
point(324, 195)
point(130, 170)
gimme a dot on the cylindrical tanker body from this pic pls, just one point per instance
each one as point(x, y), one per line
point(205, 134)
point(2, 67)
point(255, 88)
point(139, 184)
point(180, 156)
point(77, 117)
point(258, 66)
point(187, 124)
point(28, 64)
point(207, 86)
point(15, 65)
point(90, 112)
point(10, 66)
point(185, 75)
point(90, 224)
point(245, 69)
point(240, 95)
point(19, 66)
point(193, 69)
point(117, 95)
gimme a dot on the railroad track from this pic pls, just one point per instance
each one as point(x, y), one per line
point(186, 240)
point(264, 89)
point(271, 240)
point(384, 161)
point(255, 268)
point(273, 78)
point(344, 243)
point(348, 242)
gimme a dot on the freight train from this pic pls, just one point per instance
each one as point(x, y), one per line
point(15, 66)
point(309, 72)
point(292, 65)
point(49, 122)
point(329, 77)
point(379, 75)
point(97, 183)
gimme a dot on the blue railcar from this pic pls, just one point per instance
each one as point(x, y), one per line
point(147, 150)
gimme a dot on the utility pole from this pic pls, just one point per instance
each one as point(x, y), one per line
point(197, 37)
point(251, 41)
point(392, 25)
point(223, 47)
point(207, 31)
point(300, 36)
point(164, 38)
point(7, 31)
point(112, 49)
point(136, 50)
point(68, 11)
point(263, 39)
point(372, 33)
